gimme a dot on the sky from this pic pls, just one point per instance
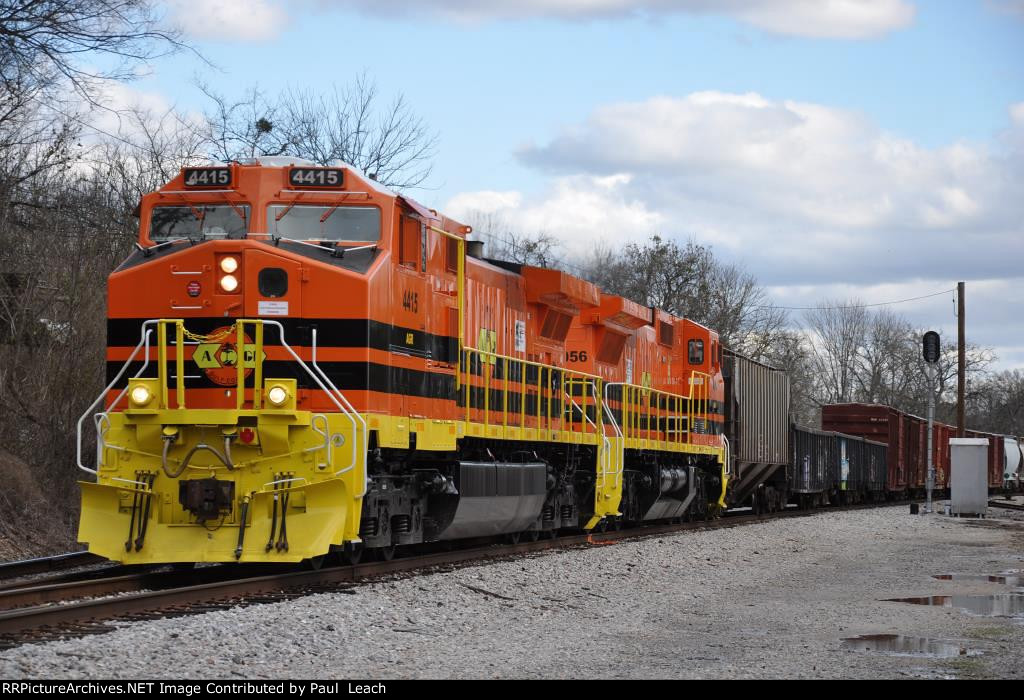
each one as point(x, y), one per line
point(836, 149)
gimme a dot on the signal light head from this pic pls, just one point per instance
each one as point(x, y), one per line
point(229, 283)
point(277, 395)
point(228, 264)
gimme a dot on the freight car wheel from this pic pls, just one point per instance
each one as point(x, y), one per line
point(513, 537)
point(532, 535)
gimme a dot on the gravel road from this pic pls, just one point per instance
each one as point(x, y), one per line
point(771, 600)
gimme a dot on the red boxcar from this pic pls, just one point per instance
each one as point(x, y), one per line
point(878, 423)
point(916, 451)
point(940, 453)
point(996, 456)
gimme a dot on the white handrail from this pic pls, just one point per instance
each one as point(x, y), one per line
point(316, 373)
point(351, 413)
point(143, 340)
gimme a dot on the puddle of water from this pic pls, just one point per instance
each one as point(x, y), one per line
point(1000, 605)
point(900, 645)
point(1007, 579)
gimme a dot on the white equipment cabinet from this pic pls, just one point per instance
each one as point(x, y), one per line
point(969, 479)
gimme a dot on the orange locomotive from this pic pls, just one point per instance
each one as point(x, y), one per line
point(302, 361)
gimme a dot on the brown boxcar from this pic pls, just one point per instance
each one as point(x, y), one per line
point(996, 456)
point(916, 452)
point(940, 453)
point(878, 423)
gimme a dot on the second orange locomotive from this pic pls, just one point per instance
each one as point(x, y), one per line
point(301, 360)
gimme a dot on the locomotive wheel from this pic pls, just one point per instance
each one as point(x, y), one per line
point(513, 537)
point(386, 553)
point(532, 535)
point(315, 563)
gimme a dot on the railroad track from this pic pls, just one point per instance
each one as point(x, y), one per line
point(59, 562)
point(75, 608)
point(1006, 504)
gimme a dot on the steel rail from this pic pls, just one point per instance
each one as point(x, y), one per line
point(27, 567)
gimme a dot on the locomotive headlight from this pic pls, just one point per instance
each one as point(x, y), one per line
point(141, 395)
point(229, 283)
point(229, 264)
point(277, 395)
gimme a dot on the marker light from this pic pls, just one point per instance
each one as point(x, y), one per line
point(229, 264)
point(141, 395)
point(277, 395)
point(229, 283)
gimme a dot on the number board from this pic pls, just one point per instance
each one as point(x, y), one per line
point(207, 177)
point(316, 177)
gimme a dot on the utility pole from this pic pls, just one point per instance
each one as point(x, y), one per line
point(961, 363)
point(931, 351)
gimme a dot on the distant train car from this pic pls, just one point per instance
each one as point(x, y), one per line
point(881, 424)
point(996, 459)
point(757, 400)
point(1012, 458)
point(830, 468)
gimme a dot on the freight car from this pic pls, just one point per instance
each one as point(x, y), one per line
point(830, 468)
point(301, 361)
point(1013, 459)
point(906, 436)
point(757, 428)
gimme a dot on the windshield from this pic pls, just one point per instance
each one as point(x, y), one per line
point(303, 222)
point(198, 221)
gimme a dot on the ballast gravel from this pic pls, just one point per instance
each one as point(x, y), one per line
point(768, 600)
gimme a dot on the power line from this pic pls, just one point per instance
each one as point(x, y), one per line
point(854, 306)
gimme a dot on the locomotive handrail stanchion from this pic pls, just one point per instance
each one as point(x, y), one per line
point(239, 361)
point(547, 398)
point(486, 369)
point(179, 357)
point(504, 393)
point(257, 382)
point(522, 395)
point(536, 404)
point(161, 339)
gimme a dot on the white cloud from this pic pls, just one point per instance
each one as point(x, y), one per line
point(838, 19)
point(815, 201)
point(243, 20)
point(806, 164)
point(483, 202)
point(580, 211)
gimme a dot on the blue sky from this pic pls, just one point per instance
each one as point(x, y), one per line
point(836, 148)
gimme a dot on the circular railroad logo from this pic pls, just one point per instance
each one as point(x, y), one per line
point(219, 360)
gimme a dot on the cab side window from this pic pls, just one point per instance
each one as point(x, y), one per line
point(409, 242)
point(695, 350)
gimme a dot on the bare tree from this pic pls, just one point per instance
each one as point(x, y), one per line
point(42, 42)
point(503, 242)
point(391, 144)
point(838, 334)
point(687, 280)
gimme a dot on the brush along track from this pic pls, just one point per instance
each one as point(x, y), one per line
point(128, 597)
